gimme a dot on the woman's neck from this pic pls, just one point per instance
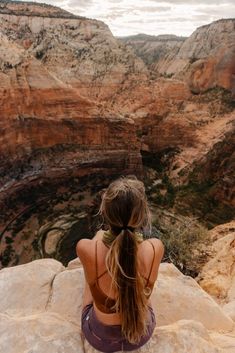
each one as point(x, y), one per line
point(109, 237)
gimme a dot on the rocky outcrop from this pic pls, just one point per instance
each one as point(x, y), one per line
point(28, 8)
point(206, 59)
point(95, 60)
point(217, 277)
point(152, 49)
point(46, 311)
point(66, 63)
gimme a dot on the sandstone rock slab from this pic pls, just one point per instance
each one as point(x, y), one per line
point(226, 341)
point(229, 309)
point(39, 333)
point(52, 323)
point(67, 294)
point(181, 337)
point(176, 297)
point(217, 277)
point(25, 289)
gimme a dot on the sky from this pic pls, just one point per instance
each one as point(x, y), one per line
point(129, 17)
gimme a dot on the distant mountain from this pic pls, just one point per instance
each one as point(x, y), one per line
point(151, 48)
point(152, 38)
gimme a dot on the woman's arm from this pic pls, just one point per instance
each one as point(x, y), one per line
point(85, 252)
point(152, 252)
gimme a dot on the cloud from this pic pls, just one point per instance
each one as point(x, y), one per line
point(154, 8)
point(225, 10)
point(195, 2)
point(83, 4)
point(59, 3)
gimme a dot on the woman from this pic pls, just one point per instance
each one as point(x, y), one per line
point(120, 270)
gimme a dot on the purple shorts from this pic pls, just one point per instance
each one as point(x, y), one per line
point(109, 338)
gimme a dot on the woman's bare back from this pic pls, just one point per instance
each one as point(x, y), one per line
point(149, 257)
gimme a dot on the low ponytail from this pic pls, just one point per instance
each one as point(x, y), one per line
point(125, 209)
point(131, 303)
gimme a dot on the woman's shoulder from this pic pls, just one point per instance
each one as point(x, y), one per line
point(152, 246)
point(155, 243)
point(85, 246)
point(82, 249)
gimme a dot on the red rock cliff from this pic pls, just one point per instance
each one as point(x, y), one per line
point(75, 101)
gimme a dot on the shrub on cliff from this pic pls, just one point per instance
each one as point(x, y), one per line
point(186, 243)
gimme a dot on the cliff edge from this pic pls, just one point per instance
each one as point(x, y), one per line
point(41, 302)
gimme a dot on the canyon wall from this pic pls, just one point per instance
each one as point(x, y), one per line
point(190, 134)
point(152, 49)
point(210, 55)
point(204, 60)
point(78, 107)
point(48, 86)
point(58, 137)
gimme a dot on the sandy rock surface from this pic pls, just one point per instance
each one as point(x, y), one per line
point(42, 308)
point(25, 289)
point(178, 297)
point(217, 277)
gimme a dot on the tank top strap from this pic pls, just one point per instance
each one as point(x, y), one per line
point(151, 268)
point(96, 263)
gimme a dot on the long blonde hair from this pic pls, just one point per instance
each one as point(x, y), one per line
point(125, 209)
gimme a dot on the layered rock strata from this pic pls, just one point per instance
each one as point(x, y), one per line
point(206, 59)
point(76, 103)
point(152, 49)
point(96, 62)
point(54, 131)
point(28, 8)
point(42, 94)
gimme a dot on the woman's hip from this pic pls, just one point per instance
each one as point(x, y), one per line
point(109, 338)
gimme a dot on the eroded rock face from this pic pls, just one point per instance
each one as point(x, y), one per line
point(206, 59)
point(40, 110)
point(217, 166)
point(152, 49)
point(53, 68)
point(217, 276)
point(46, 311)
point(54, 130)
point(76, 104)
point(95, 60)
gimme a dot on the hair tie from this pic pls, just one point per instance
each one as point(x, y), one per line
point(127, 228)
